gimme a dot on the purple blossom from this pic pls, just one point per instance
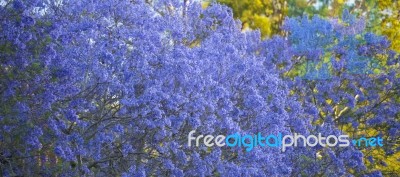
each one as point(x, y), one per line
point(115, 87)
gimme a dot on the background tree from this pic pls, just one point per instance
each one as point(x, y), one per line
point(382, 16)
point(266, 15)
point(352, 78)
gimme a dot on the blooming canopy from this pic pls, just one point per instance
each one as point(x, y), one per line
point(114, 87)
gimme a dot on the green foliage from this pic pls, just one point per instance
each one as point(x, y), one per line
point(267, 15)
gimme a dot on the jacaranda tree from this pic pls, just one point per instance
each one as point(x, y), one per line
point(350, 75)
point(112, 88)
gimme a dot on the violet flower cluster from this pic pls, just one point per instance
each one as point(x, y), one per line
point(112, 88)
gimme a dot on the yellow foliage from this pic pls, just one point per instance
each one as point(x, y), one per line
point(263, 23)
point(389, 22)
point(265, 15)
